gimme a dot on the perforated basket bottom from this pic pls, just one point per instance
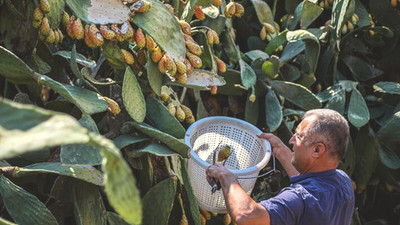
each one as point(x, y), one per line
point(247, 152)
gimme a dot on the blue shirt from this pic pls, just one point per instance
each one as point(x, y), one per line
point(313, 199)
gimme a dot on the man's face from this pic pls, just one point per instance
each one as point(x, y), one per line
point(302, 147)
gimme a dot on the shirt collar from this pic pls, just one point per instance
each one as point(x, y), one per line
point(297, 178)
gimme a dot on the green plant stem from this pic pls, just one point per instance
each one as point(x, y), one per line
point(183, 94)
point(274, 9)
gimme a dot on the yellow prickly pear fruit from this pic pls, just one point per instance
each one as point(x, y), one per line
point(322, 4)
point(221, 65)
point(128, 57)
point(164, 97)
point(60, 34)
point(394, 3)
point(150, 43)
point(344, 29)
point(194, 60)
point(180, 114)
point(140, 38)
point(173, 70)
point(354, 19)
point(156, 55)
point(161, 65)
point(198, 12)
point(95, 36)
point(77, 29)
point(184, 220)
point(50, 37)
point(168, 62)
point(190, 119)
point(70, 25)
point(193, 47)
point(268, 69)
point(188, 112)
point(113, 106)
point(224, 153)
point(263, 33)
point(227, 219)
point(269, 28)
point(64, 19)
point(180, 66)
point(239, 10)
point(210, 37)
point(171, 108)
point(276, 25)
point(215, 37)
point(56, 37)
point(189, 66)
point(37, 14)
point(218, 3)
point(252, 98)
point(45, 6)
point(350, 26)
point(185, 27)
point(213, 90)
point(181, 78)
point(107, 33)
point(205, 213)
point(214, 214)
point(45, 27)
point(187, 37)
point(141, 56)
point(230, 10)
point(36, 23)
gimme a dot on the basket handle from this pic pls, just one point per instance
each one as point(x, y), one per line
point(264, 174)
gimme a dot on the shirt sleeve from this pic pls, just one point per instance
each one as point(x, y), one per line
point(286, 208)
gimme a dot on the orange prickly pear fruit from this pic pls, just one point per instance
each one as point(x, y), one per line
point(210, 37)
point(70, 25)
point(141, 55)
point(107, 33)
point(213, 90)
point(187, 37)
point(181, 78)
point(230, 10)
point(180, 115)
point(118, 33)
point(127, 30)
point(202, 219)
point(394, 3)
point(185, 27)
point(218, 3)
point(77, 29)
point(173, 70)
point(113, 106)
point(87, 39)
point(161, 65)
point(227, 219)
point(45, 6)
point(194, 60)
point(45, 27)
point(215, 37)
point(224, 153)
point(221, 65)
point(64, 19)
point(189, 66)
point(198, 12)
point(168, 62)
point(50, 37)
point(37, 14)
point(180, 66)
point(95, 36)
point(36, 23)
point(239, 10)
point(150, 43)
point(156, 55)
point(140, 38)
point(193, 47)
point(205, 213)
point(171, 108)
point(128, 57)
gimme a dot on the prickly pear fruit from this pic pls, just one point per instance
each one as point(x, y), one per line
point(70, 25)
point(221, 65)
point(227, 219)
point(168, 62)
point(213, 90)
point(198, 12)
point(173, 70)
point(184, 220)
point(202, 220)
point(164, 97)
point(180, 114)
point(50, 37)
point(60, 34)
point(36, 23)
point(268, 69)
point(141, 56)
point(95, 36)
point(45, 27)
point(140, 38)
point(64, 19)
point(161, 65)
point(218, 3)
point(230, 10)
point(263, 33)
point(56, 37)
point(87, 39)
point(224, 153)
point(107, 33)
point(239, 10)
point(156, 55)
point(150, 43)
point(140, 6)
point(45, 6)
point(113, 106)
point(187, 110)
point(77, 29)
point(394, 3)
point(185, 27)
point(189, 66)
point(118, 33)
point(205, 213)
point(210, 37)
point(180, 66)
point(269, 28)
point(171, 108)
point(127, 30)
point(128, 57)
point(37, 14)
point(181, 78)
point(215, 37)
point(194, 60)
point(252, 98)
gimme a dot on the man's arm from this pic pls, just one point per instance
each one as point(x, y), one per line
point(281, 152)
point(241, 207)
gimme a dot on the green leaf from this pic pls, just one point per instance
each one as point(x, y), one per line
point(247, 74)
point(82, 172)
point(79, 153)
point(337, 102)
point(339, 15)
point(251, 111)
point(312, 46)
point(388, 157)
point(88, 205)
point(173, 143)
point(146, 176)
point(229, 46)
point(14, 69)
point(115, 219)
point(113, 54)
point(362, 14)
point(349, 162)
point(263, 11)
point(388, 135)
point(75, 69)
point(99, 11)
point(202, 79)
point(290, 72)
point(32, 211)
point(273, 111)
point(154, 75)
point(329, 93)
point(191, 206)
point(55, 14)
point(87, 101)
point(155, 149)
point(357, 113)
point(163, 194)
point(133, 97)
point(257, 54)
point(162, 26)
point(62, 188)
point(385, 13)
point(310, 13)
point(128, 139)
point(296, 94)
point(162, 118)
point(20, 124)
point(387, 87)
point(291, 50)
point(361, 69)
point(276, 42)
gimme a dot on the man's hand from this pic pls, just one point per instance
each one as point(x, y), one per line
point(220, 174)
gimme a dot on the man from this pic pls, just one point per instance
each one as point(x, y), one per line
point(319, 194)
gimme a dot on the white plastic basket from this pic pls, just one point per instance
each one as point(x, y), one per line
point(249, 155)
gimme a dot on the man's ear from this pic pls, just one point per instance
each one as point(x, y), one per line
point(319, 150)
